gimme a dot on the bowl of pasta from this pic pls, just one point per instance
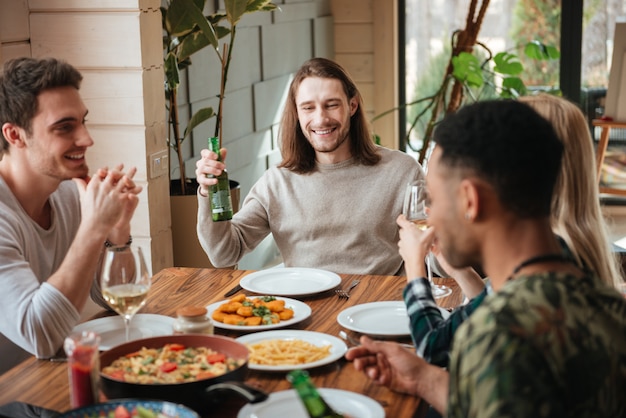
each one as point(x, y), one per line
point(187, 369)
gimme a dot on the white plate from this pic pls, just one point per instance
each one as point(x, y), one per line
point(382, 319)
point(287, 404)
point(337, 350)
point(301, 311)
point(385, 319)
point(290, 281)
point(112, 333)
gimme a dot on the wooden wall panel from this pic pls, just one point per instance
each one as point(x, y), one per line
point(353, 11)
point(13, 21)
point(93, 5)
point(14, 50)
point(355, 38)
point(366, 45)
point(324, 37)
point(386, 70)
point(360, 66)
point(106, 40)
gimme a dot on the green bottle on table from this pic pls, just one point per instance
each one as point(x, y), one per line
point(219, 194)
point(315, 405)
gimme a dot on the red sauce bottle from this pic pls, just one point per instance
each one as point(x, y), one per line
point(83, 367)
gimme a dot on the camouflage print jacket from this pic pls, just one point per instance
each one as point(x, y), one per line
point(548, 345)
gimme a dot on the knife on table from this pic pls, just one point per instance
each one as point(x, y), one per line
point(233, 291)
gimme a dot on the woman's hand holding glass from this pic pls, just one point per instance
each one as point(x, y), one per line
point(415, 243)
point(413, 246)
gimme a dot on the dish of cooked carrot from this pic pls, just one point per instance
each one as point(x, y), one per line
point(253, 311)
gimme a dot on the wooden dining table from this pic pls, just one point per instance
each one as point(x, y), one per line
point(44, 383)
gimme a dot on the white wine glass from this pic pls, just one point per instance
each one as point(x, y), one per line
point(415, 211)
point(125, 281)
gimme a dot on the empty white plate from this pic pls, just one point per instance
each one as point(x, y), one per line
point(388, 319)
point(290, 281)
point(379, 319)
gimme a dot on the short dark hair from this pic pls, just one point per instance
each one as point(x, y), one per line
point(298, 154)
point(22, 80)
point(509, 145)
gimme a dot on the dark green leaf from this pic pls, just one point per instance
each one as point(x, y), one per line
point(197, 118)
point(235, 9)
point(195, 14)
point(221, 31)
point(260, 5)
point(178, 20)
point(539, 51)
point(216, 18)
point(467, 69)
point(533, 50)
point(191, 44)
point(512, 88)
point(553, 53)
point(171, 72)
point(507, 63)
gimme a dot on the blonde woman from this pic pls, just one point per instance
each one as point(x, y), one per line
point(576, 218)
point(576, 213)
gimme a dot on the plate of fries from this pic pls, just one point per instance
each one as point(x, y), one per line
point(291, 349)
point(257, 313)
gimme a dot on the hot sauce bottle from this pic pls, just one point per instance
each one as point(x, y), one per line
point(83, 363)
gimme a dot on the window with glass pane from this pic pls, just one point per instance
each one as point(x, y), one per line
point(508, 25)
point(600, 17)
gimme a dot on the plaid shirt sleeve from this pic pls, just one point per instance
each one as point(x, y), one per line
point(431, 333)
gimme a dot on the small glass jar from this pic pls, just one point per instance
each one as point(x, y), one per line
point(193, 320)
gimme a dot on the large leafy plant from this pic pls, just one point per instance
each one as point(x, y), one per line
point(186, 31)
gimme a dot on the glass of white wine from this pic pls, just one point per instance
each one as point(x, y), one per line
point(125, 281)
point(415, 211)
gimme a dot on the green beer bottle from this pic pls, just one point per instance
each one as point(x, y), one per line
point(315, 405)
point(219, 194)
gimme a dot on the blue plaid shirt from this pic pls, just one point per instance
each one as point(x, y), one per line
point(431, 333)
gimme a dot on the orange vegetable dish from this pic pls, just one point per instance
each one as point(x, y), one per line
point(244, 311)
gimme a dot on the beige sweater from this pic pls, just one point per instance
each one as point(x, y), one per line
point(341, 217)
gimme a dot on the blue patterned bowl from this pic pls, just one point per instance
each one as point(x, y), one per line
point(166, 409)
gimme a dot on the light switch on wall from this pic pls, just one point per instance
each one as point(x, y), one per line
point(159, 164)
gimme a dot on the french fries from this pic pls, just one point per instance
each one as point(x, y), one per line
point(244, 311)
point(283, 352)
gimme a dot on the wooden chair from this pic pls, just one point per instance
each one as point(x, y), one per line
point(601, 151)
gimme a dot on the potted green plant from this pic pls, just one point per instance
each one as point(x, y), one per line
point(471, 75)
point(186, 31)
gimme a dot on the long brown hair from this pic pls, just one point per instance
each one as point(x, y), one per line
point(576, 213)
point(298, 154)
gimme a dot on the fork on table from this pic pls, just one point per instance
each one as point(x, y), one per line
point(345, 294)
